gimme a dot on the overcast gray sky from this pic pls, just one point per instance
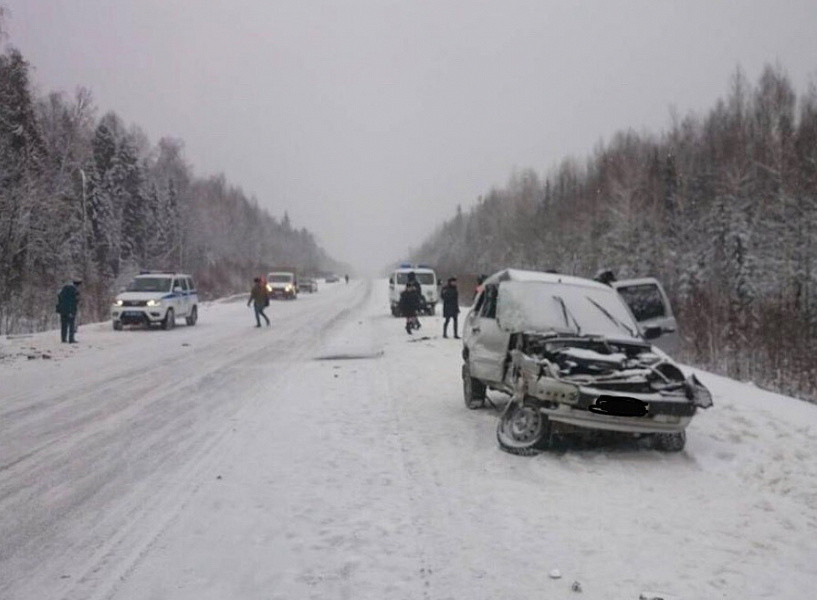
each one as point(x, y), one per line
point(369, 121)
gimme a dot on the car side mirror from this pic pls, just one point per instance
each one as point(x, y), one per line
point(652, 333)
point(391, 280)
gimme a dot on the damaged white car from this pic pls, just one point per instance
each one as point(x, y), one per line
point(569, 353)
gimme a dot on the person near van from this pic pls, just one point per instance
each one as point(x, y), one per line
point(605, 276)
point(67, 306)
point(480, 281)
point(259, 298)
point(451, 305)
point(410, 299)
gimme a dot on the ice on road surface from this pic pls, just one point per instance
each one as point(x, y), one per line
point(331, 456)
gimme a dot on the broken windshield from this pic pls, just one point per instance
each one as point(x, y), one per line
point(564, 308)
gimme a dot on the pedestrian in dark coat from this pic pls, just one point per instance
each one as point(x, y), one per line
point(480, 286)
point(410, 302)
point(67, 307)
point(451, 305)
point(259, 298)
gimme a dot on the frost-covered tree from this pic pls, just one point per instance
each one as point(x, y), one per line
point(722, 207)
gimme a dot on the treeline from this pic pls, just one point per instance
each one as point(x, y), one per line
point(721, 207)
point(88, 197)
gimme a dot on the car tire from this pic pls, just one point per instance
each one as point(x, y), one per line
point(169, 322)
point(473, 389)
point(523, 429)
point(194, 316)
point(670, 442)
point(117, 325)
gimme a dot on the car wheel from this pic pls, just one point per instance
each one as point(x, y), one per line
point(670, 442)
point(117, 325)
point(473, 390)
point(522, 429)
point(169, 321)
point(194, 316)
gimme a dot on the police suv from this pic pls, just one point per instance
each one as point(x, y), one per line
point(156, 298)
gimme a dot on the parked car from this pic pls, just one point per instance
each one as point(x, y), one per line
point(571, 355)
point(332, 278)
point(156, 298)
point(308, 284)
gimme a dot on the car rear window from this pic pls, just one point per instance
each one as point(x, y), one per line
point(423, 278)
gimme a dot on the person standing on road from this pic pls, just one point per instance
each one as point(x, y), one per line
point(451, 305)
point(67, 306)
point(410, 299)
point(259, 298)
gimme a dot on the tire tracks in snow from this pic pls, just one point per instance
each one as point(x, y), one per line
point(296, 347)
point(438, 523)
point(153, 444)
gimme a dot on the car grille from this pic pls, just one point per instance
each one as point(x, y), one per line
point(134, 303)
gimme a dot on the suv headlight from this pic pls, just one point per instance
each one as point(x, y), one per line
point(118, 302)
point(153, 302)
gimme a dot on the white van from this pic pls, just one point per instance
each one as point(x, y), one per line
point(427, 279)
point(282, 284)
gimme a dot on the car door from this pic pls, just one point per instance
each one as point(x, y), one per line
point(191, 292)
point(651, 308)
point(487, 343)
point(180, 296)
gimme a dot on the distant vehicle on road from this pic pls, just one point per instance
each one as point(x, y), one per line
point(308, 284)
point(282, 284)
point(332, 278)
point(156, 298)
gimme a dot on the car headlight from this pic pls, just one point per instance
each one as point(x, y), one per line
point(269, 288)
point(118, 302)
point(153, 302)
point(288, 288)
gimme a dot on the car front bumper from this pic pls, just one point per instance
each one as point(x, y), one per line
point(138, 315)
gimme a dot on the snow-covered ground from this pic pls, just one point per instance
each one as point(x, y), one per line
point(331, 456)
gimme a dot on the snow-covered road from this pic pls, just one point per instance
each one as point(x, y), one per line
point(331, 456)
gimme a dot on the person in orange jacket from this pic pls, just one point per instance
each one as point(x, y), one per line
point(259, 298)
